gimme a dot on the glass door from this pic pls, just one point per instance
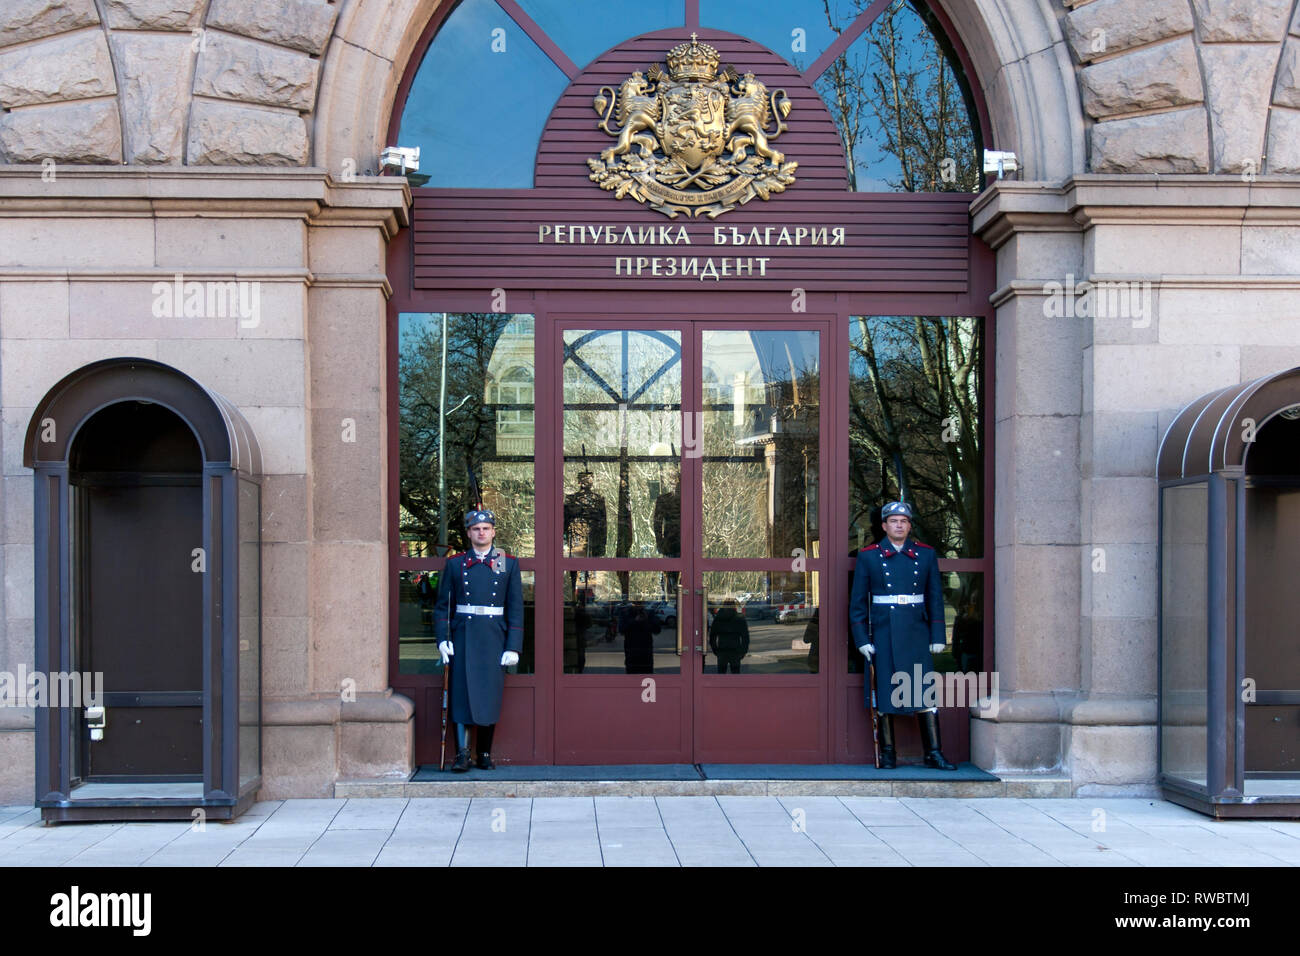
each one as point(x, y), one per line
point(623, 691)
point(689, 548)
point(755, 444)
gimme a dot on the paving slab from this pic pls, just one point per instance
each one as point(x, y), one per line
point(713, 854)
point(922, 845)
point(565, 809)
point(881, 811)
point(1257, 835)
point(625, 812)
point(636, 846)
point(415, 853)
point(351, 847)
point(130, 845)
point(1210, 845)
point(495, 833)
point(373, 814)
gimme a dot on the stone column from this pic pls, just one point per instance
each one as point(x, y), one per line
point(335, 696)
point(1039, 405)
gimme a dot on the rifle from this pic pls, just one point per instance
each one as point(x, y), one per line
point(475, 493)
point(446, 683)
point(875, 727)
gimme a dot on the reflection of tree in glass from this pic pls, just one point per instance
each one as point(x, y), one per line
point(902, 112)
point(622, 401)
point(734, 494)
point(914, 430)
point(471, 425)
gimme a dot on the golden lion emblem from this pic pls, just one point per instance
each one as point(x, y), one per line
point(691, 140)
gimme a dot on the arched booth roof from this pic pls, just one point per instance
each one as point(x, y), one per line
point(224, 435)
point(1210, 434)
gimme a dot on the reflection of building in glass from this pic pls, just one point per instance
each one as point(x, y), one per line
point(622, 428)
point(761, 421)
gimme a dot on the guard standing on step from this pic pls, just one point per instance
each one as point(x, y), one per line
point(896, 614)
point(479, 624)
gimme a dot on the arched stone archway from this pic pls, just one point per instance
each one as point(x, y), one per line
point(1018, 50)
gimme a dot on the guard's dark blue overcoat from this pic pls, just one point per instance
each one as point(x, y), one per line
point(477, 677)
point(901, 633)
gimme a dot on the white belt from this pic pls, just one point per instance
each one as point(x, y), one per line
point(897, 598)
point(480, 609)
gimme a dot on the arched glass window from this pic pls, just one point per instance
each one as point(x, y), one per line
point(798, 30)
point(889, 77)
point(479, 100)
point(584, 29)
point(903, 107)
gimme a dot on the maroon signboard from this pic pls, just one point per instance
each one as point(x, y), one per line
point(569, 233)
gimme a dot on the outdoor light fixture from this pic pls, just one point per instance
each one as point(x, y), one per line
point(996, 161)
point(400, 159)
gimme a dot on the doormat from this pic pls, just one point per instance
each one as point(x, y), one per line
point(655, 771)
point(708, 771)
point(838, 771)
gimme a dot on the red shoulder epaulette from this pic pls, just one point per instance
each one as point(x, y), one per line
point(871, 547)
point(921, 544)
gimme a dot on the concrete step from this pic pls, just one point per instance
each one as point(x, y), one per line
point(479, 785)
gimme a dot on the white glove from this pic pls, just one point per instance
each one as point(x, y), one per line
point(509, 658)
point(866, 650)
point(937, 648)
point(445, 650)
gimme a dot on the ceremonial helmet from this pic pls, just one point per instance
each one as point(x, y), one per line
point(480, 516)
point(896, 508)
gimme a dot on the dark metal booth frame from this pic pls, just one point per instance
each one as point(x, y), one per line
point(1229, 710)
point(231, 463)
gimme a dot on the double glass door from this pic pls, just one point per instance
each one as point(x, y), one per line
point(689, 545)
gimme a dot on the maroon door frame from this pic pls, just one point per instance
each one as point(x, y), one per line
point(767, 718)
point(778, 708)
point(527, 731)
point(588, 708)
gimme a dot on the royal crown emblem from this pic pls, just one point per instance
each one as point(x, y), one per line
point(692, 140)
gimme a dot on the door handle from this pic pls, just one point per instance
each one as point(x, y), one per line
point(702, 622)
point(679, 622)
point(96, 720)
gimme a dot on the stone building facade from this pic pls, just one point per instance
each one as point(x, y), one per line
point(232, 140)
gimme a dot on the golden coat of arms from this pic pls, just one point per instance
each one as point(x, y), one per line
point(692, 140)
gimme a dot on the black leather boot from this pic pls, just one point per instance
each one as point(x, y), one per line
point(885, 727)
point(483, 738)
point(934, 757)
point(462, 761)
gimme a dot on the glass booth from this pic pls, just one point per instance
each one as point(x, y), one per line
point(1229, 717)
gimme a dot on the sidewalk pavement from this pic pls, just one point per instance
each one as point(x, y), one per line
point(668, 831)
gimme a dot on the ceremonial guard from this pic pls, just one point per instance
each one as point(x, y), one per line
point(479, 624)
point(896, 614)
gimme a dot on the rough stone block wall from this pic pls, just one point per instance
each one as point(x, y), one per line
point(1189, 86)
point(170, 82)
